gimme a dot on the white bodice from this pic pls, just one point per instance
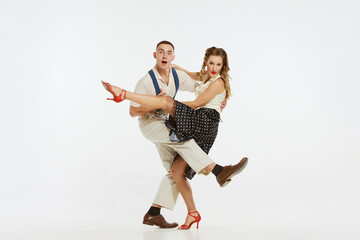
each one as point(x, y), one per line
point(215, 102)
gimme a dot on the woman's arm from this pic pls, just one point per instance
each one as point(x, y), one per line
point(214, 88)
point(194, 75)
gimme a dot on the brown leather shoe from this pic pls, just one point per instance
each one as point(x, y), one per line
point(158, 220)
point(230, 171)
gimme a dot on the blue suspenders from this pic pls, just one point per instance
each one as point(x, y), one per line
point(176, 78)
point(156, 85)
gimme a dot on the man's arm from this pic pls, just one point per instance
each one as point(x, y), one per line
point(139, 111)
point(194, 75)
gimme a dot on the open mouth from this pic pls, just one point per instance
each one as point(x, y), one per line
point(164, 63)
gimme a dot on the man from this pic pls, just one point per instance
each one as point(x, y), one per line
point(151, 123)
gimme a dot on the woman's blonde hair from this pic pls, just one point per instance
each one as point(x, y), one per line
point(224, 73)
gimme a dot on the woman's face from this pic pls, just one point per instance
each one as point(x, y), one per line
point(214, 65)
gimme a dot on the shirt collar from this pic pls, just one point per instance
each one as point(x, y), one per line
point(158, 76)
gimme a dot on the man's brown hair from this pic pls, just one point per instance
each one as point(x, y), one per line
point(165, 42)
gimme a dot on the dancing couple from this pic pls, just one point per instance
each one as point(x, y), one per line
point(183, 132)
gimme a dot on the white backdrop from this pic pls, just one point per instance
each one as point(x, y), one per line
point(71, 158)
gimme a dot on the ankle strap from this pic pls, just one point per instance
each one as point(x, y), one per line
point(190, 213)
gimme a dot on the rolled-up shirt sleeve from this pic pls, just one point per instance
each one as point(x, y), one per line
point(186, 82)
point(141, 89)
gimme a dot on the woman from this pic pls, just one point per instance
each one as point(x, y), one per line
point(198, 119)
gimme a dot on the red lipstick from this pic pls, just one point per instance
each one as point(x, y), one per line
point(213, 73)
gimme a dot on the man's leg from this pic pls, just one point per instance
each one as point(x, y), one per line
point(166, 196)
point(156, 132)
point(197, 159)
point(200, 162)
point(167, 193)
point(193, 155)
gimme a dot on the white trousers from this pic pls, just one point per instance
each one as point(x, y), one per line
point(156, 132)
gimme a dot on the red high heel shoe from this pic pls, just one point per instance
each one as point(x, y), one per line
point(197, 220)
point(117, 99)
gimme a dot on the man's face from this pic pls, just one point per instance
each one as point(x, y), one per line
point(164, 55)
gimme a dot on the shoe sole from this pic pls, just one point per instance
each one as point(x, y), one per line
point(148, 223)
point(152, 224)
point(104, 85)
point(236, 172)
point(226, 183)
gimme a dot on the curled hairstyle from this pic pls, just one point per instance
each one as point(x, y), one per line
point(224, 73)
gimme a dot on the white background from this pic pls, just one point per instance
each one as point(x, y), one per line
point(74, 163)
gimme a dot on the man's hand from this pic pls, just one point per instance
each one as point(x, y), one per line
point(223, 105)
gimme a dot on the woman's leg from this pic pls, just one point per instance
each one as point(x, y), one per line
point(166, 103)
point(177, 171)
